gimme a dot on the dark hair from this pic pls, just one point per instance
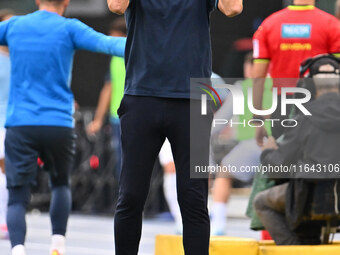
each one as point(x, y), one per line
point(53, 1)
point(118, 25)
point(6, 12)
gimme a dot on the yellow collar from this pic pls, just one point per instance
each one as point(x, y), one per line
point(301, 7)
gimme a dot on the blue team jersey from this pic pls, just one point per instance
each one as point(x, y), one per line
point(5, 69)
point(168, 43)
point(42, 45)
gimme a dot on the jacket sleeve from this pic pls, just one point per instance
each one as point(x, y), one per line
point(86, 38)
point(291, 147)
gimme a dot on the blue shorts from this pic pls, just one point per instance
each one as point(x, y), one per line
point(23, 145)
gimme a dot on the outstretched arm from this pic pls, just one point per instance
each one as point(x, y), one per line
point(85, 38)
point(118, 6)
point(230, 8)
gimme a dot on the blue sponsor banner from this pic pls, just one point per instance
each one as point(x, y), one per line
point(296, 31)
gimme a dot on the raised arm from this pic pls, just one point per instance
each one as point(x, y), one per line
point(118, 6)
point(230, 8)
point(85, 38)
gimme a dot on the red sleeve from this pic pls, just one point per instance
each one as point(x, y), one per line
point(334, 36)
point(260, 44)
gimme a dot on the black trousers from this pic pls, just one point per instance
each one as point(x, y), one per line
point(145, 123)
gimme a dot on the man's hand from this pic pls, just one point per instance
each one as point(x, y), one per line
point(94, 127)
point(261, 133)
point(230, 8)
point(118, 6)
point(270, 144)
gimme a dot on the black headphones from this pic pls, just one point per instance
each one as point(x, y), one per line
point(312, 65)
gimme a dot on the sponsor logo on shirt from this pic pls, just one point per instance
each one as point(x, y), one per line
point(295, 46)
point(296, 31)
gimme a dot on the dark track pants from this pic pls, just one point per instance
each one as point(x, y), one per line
point(56, 147)
point(145, 123)
point(19, 197)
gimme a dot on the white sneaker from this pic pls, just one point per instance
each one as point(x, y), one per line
point(58, 245)
point(18, 250)
point(56, 252)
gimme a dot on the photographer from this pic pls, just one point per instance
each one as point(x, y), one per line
point(313, 142)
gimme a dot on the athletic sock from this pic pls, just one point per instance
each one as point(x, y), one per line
point(18, 250)
point(170, 193)
point(219, 218)
point(58, 244)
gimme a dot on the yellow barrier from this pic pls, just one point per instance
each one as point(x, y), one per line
point(172, 245)
point(233, 246)
point(266, 242)
point(169, 245)
point(300, 250)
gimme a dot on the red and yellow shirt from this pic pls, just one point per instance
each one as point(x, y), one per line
point(291, 35)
